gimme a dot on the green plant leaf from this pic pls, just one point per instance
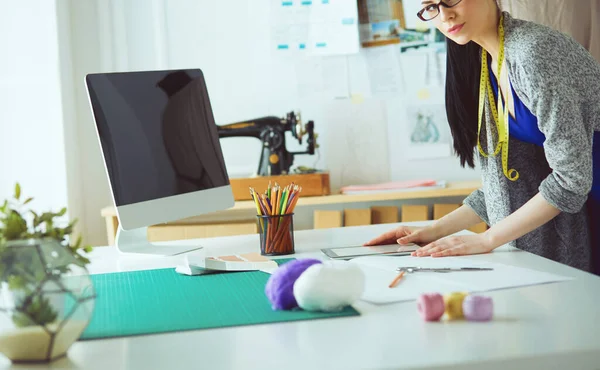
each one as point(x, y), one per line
point(36, 219)
point(36, 310)
point(19, 269)
point(16, 282)
point(68, 230)
point(15, 227)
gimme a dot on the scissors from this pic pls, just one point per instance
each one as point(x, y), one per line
point(413, 269)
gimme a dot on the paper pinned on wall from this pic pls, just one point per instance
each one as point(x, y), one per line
point(429, 133)
point(384, 70)
point(314, 27)
point(323, 77)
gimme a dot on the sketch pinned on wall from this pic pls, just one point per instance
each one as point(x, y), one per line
point(425, 129)
point(428, 131)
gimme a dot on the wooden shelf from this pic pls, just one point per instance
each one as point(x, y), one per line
point(453, 189)
point(382, 42)
point(245, 210)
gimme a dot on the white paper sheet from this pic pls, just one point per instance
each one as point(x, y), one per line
point(384, 68)
point(314, 27)
point(380, 271)
point(323, 77)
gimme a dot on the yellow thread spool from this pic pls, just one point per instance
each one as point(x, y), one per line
point(453, 303)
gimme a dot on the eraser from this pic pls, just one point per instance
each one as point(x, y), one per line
point(454, 305)
point(195, 270)
point(431, 306)
point(478, 308)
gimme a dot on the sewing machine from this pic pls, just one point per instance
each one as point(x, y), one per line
point(275, 158)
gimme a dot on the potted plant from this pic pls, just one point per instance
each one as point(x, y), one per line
point(46, 295)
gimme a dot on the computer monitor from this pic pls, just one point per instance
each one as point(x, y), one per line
point(161, 151)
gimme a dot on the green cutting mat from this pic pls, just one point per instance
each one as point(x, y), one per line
point(160, 301)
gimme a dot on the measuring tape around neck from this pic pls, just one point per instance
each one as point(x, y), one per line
point(499, 115)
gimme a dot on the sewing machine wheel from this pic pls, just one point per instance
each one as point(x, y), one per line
point(272, 138)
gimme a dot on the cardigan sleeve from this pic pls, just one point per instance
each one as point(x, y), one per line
point(476, 201)
point(555, 76)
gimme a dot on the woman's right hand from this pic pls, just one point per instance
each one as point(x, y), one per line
point(405, 235)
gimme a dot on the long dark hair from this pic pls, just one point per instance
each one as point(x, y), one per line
point(463, 69)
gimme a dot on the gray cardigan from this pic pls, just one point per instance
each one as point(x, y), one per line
point(559, 81)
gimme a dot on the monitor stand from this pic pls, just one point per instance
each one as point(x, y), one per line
point(136, 241)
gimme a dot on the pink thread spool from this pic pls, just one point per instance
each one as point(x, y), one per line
point(431, 306)
point(478, 308)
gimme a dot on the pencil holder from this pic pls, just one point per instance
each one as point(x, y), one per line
point(276, 234)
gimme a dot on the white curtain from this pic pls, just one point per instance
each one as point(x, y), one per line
point(577, 18)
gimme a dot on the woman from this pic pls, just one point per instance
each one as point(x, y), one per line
point(540, 167)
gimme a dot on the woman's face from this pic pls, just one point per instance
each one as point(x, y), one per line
point(465, 21)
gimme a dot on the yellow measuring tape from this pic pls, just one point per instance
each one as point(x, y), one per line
point(501, 114)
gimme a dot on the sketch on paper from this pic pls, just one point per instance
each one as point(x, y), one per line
point(428, 131)
point(428, 124)
point(425, 130)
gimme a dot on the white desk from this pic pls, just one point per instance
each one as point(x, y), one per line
point(552, 326)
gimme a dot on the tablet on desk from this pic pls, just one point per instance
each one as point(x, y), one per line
point(360, 251)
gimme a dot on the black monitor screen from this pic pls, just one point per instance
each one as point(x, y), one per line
point(157, 133)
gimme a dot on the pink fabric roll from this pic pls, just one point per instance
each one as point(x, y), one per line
point(431, 306)
point(478, 308)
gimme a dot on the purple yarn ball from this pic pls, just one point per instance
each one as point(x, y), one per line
point(478, 308)
point(280, 287)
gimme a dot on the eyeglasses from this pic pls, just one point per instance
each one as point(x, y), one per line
point(433, 10)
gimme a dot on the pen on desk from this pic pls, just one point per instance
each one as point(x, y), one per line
point(442, 269)
point(397, 279)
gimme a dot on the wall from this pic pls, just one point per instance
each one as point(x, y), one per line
point(80, 35)
point(31, 118)
point(579, 19)
point(229, 41)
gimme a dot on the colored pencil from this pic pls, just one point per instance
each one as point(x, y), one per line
point(397, 279)
point(276, 201)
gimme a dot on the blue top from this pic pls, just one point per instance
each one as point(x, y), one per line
point(524, 126)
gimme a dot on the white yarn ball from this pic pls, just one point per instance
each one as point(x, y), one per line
point(329, 286)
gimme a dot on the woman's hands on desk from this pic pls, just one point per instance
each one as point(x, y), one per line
point(405, 235)
point(434, 239)
point(456, 246)
point(431, 244)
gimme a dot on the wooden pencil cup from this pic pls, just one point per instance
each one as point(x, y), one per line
point(276, 234)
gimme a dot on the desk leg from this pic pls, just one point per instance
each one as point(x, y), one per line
point(112, 224)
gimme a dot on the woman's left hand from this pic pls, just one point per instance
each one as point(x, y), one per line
point(456, 246)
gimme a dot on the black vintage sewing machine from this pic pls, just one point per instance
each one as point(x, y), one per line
point(275, 158)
